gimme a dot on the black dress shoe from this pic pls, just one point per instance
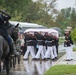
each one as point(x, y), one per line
point(34, 59)
point(56, 58)
point(44, 59)
point(68, 60)
point(71, 59)
point(53, 59)
point(25, 59)
point(48, 58)
point(38, 59)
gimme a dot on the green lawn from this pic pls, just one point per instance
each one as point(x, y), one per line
point(74, 49)
point(61, 40)
point(62, 70)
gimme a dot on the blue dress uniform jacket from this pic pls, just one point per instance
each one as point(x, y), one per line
point(40, 39)
point(49, 40)
point(67, 41)
point(29, 40)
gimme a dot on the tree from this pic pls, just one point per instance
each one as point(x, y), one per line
point(16, 8)
point(40, 14)
point(66, 17)
point(73, 35)
point(73, 18)
point(26, 10)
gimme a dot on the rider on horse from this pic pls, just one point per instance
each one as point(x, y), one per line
point(3, 30)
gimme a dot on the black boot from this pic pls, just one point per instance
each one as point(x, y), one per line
point(11, 45)
point(13, 49)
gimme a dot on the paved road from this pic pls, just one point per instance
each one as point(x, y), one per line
point(30, 67)
point(38, 67)
point(62, 60)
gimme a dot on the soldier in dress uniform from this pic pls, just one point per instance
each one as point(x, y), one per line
point(30, 47)
point(39, 38)
point(57, 44)
point(45, 42)
point(67, 44)
point(35, 43)
point(54, 46)
point(25, 47)
point(71, 41)
point(49, 51)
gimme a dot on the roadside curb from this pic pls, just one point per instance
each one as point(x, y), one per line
point(59, 60)
point(62, 60)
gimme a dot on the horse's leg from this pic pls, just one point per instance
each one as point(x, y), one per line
point(7, 65)
point(19, 59)
point(10, 61)
point(0, 66)
point(4, 64)
point(14, 61)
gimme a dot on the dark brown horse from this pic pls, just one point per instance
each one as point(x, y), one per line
point(4, 47)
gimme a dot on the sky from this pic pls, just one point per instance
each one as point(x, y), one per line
point(63, 3)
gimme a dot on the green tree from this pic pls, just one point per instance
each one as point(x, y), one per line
point(73, 35)
point(73, 18)
point(40, 14)
point(26, 10)
point(66, 17)
point(16, 8)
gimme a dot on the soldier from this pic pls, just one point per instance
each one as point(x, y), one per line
point(33, 38)
point(30, 47)
point(69, 32)
point(35, 43)
point(56, 43)
point(39, 38)
point(54, 46)
point(67, 44)
point(25, 47)
point(49, 51)
point(4, 17)
point(45, 42)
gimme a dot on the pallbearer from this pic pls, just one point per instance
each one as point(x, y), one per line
point(30, 46)
point(49, 51)
point(54, 46)
point(45, 42)
point(39, 38)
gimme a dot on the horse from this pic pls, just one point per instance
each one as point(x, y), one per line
point(4, 47)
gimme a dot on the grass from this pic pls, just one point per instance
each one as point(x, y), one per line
point(62, 70)
point(61, 40)
point(74, 49)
